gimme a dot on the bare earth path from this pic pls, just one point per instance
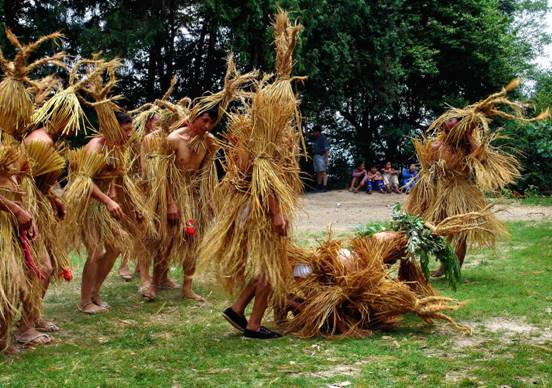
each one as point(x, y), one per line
point(345, 210)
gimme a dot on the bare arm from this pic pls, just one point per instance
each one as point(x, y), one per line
point(23, 217)
point(95, 145)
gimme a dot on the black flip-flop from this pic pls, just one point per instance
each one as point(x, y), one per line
point(238, 321)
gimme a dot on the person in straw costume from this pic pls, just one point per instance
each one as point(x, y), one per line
point(460, 163)
point(101, 192)
point(19, 273)
point(179, 158)
point(346, 287)
point(40, 165)
point(155, 155)
point(258, 195)
point(343, 288)
point(56, 118)
point(145, 120)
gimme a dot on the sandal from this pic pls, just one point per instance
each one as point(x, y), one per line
point(96, 310)
point(27, 340)
point(45, 326)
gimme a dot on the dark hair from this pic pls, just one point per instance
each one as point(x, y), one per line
point(317, 129)
point(123, 118)
point(211, 112)
point(359, 163)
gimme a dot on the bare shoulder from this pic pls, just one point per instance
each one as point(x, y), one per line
point(95, 144)
point(38, 135)
point(150, 136)
point(177, 136)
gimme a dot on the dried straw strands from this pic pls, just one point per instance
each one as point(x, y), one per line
point(357, 297)
point(264, 143)
point(16, 103)
point(459, 165)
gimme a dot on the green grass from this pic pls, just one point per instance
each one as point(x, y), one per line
point(529, 201)
point(171, 343)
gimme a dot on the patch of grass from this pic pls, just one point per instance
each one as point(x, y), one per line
point(171, 342)
point(530, 201)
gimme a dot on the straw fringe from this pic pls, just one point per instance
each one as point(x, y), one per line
point(16, 105)
point(46, 167)
point(357, 300)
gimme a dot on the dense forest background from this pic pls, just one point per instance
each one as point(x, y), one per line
point(379, 71)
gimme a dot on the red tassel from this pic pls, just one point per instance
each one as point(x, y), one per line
point(190, 229)
point(67, 274)
point(28, 256)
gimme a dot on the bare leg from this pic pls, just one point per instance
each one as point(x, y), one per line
point(189, 271)
point(187, 291)
point(124, 270)
point(26, 333)
point(461, 249)
point(245, 297)
point(325, 179)
point(353, 184)
point(262, 293)
point(30, 314)
point(159, 266)
point(144, 269)
point(102, 270)
point(48, 271)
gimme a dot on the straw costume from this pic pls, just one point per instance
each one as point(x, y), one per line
point(190, 188)
point(16, 109)
point(19, 273)
point(109, 171)
point(60, 116)
point(262, 149)
point(16, 100)
point(460, 164)
point(413, 242)
point(349, 292)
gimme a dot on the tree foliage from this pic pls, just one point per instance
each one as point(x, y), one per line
point(378, 70)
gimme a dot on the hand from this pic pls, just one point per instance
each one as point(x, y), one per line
point(173, 215)
point(26, 222)
point(115, 209)
point(280, 224)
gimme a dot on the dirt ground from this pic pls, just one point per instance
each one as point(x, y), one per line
point(345, 210)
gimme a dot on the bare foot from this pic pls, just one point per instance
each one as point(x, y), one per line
point(125, 274)
point(32, 337)
point(92, 308)
point(148, 291)
point(168, 284)
point(45, 326)
point(189, 294)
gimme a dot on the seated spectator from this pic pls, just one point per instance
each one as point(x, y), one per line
point(409, 178)
point(358, 177)
point(374, 181)
point(390, 178)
